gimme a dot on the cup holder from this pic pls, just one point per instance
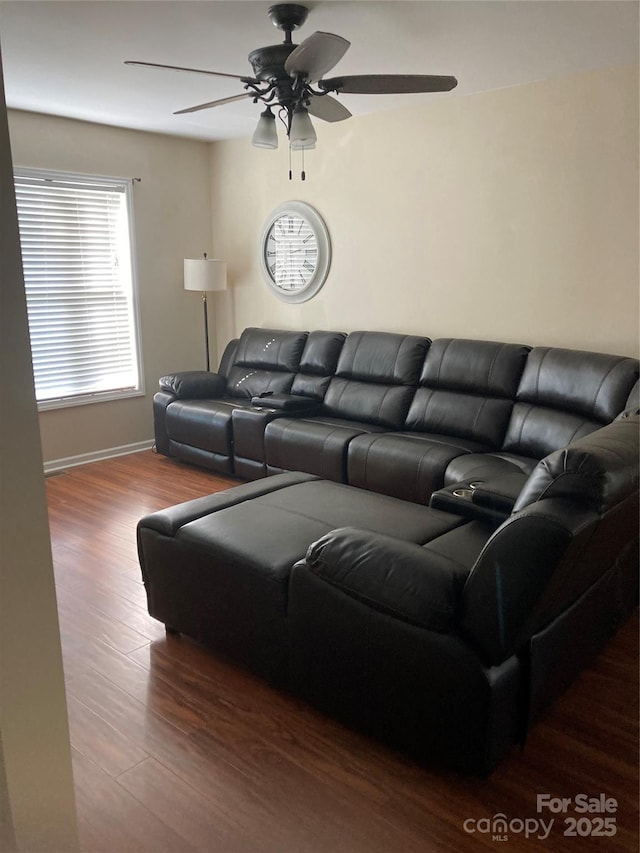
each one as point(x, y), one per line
point(476, 484)
point(466, 494)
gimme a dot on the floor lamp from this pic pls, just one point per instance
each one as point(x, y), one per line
point(206, 275)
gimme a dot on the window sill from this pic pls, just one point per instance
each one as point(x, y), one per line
point(89, 399)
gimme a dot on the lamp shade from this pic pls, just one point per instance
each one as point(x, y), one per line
point(205, 274)
point(265, 134)
point(302, 133)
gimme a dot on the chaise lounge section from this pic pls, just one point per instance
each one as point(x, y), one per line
point(446, 629)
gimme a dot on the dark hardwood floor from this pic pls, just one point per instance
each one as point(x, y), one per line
point(176, 750)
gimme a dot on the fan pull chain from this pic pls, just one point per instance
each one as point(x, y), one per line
point(303, 174)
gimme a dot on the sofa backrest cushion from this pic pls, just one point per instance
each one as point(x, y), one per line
point(564, 395)
point(265, 360)
point(467, 389)
point(375, 378)
point(385, 357)
point(318, 363)
point(599, 470)
point(228, 357)
point(270, 349)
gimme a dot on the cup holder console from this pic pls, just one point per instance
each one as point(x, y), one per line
point(466, 494)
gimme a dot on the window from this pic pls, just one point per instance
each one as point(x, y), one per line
point(77, 247)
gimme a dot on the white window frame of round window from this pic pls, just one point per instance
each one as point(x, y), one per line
point(309, 238)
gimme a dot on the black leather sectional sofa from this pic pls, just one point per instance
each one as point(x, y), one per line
point(448, 535)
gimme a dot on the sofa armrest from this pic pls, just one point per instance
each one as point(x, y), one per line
point(194, 384)
point(499, 493)
point(290, 403)
point(389, 575)
point(168, 521)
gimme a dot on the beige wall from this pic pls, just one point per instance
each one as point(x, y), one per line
point(509, 215)
point(172, 222)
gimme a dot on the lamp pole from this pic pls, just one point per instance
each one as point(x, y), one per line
point(206, 327)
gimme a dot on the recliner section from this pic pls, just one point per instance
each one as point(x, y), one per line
point(371, 391)
point(199, 430)
point(317, 365)
point(462, 406)
point(562, 395)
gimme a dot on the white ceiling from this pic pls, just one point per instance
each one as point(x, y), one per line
point(66, 58)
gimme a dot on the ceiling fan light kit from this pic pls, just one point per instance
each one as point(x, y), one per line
point(302, 133)
point(265, 134)
point(283, 78)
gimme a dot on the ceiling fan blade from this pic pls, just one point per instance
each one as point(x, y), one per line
point(193, 70)
point(327, 108)
point(388, 84)
point(217, 103)
point(316, 55)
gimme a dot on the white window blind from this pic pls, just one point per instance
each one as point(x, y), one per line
point(76, 238)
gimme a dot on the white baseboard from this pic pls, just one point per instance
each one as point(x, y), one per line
point(83, 458)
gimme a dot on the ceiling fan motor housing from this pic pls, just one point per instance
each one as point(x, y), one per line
point(268, 62)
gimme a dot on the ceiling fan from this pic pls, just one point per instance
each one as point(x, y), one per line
point(291, 79)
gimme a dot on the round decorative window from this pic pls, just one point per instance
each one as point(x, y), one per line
point(295, 251)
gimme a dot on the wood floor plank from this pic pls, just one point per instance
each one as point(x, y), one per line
point(116, 609)
point(144, 694)
point(178, 750)
point(98, 741)
point(96, 624)
point(111, 820)
point(194, 817)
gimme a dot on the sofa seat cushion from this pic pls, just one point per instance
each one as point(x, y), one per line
point(316, 445)
point(487, 466)
point(270, 532)
point(406, 465)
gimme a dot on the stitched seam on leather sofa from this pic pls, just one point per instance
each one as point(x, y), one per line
point(477, 417)
point(522, 423)
point(576, 431)
point(493, 364)
point(366, 460)
point(395, 363)
point(603, 380)
point(341, 395)
point(324, 447)
point(380, 404)
point(420, 465)
point(441, 362)
point(542, 360)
